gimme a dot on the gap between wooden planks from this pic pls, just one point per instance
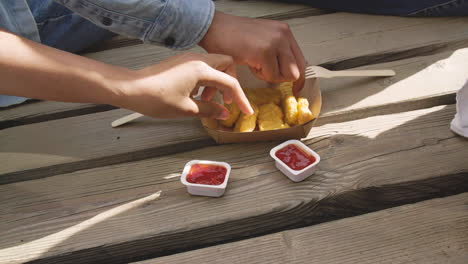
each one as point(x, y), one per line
point(88, 141)
point(434, 231)
point(42, 111)
point(337, 40)
point(266, 9)
point(254, 9)
point(367, 165)
point(333, 38)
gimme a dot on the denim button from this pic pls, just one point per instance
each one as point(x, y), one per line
point(169, 41)
point(106, 21)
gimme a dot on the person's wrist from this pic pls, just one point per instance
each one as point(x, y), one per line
point(207, 39)
point(120, 85)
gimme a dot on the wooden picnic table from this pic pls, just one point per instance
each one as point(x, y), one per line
point(392, 186)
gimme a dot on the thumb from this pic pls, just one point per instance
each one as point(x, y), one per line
point(208, 109)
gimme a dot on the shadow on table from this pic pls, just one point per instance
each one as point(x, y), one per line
point(90, 241)
point(56, 153)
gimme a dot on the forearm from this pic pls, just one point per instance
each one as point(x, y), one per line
point(29, 69)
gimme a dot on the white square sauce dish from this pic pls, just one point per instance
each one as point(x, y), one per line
point(206, 178)
point(295, 159)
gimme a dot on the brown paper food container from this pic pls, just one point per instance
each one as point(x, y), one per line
point(311, 91)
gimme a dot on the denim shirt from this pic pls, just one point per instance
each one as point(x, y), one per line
point(176, 24)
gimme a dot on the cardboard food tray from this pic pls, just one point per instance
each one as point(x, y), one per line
point(311, 91)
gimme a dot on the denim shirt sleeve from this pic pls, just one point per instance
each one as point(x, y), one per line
point(176, 24)
point(16, 17)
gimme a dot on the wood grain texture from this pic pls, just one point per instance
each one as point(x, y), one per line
point(420, 82)
point(335, 38)
point(266, 9)
point(40, 111)
point(337, 41)
point(251, 8)
point(367, 165)
point(434, 231)
point(89, 140)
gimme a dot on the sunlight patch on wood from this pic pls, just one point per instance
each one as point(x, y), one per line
point(40, 247)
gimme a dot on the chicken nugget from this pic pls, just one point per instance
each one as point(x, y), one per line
point(271, 125)
point(234, 112)
point(286, 89)
point(267, 95)
point(247, 123)
point(270, 117)
point(304, 113)
point(290, 110)
point(250, 94)
point(261, 96)
point(270, 112)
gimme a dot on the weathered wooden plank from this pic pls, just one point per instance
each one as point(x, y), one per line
point(367, 165)
point(338, 41)
point(266, 9)
point(420, 82)
point(250, 8)
point(40, 111)
point(434, 231)
point(90, 137)
point(333, 38)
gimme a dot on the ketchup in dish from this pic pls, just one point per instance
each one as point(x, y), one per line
point(294, 157)
point(206, 174)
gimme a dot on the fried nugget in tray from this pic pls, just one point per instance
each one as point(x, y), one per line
point(269, 112)
point(261, 96)
point(247, 123)
point(304, 114)
point(289, 105)
point(234, 112)
point(270, 117)
point(285, 89)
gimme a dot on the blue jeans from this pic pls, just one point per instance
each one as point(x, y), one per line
point(393, 7)
point(62, 29)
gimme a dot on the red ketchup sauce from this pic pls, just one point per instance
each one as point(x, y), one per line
point(294, 157)
point(206, 174)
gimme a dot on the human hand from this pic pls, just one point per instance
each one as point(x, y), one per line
point(268, 47)
point(166, 89)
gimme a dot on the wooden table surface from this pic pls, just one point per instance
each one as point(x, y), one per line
point(392, 186)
